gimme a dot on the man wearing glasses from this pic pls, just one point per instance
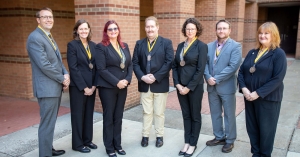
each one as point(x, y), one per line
point(223, 60)
point(49, 78)
point(152, 59)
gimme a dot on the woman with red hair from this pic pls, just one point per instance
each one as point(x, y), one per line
point(114, 67)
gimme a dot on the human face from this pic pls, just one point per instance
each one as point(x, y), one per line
point(83, 31)
point(112, 31)
point(190, 30)
point(223, 30)
point(46, 20)
point(264, 38)
point(151, 29)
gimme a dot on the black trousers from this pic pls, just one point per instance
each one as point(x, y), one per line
point(261, 122)
point(82, 111)
point(191, 104)
point(113, 101)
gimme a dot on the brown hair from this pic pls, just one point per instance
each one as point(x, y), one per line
point(195, 22)
point(223, 20)
point(77, 24)
point(271, 28)
point(37, 14)
point(152, 18)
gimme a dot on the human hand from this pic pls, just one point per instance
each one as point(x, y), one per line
point(246, 93)
point(211, 81)
point(184, 91)
point(66, 81)
point(147, 79)
point(88, 91)
point(121, 84)
point(253, 96)
point(151, 76)
point(179, 87)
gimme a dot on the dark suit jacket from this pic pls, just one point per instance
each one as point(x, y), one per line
point(80, 74)
point(267, 80)
point(191, 74)
point(108, 66)
point(162, 56)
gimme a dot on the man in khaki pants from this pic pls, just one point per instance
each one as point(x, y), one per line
point(152, 60)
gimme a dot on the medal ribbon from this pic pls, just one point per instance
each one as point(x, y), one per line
point(218, 50)
point(185, 50)
point(118, 49)
point(87, 51)
point(51, 39)
point(262, 52)
point(151, 47)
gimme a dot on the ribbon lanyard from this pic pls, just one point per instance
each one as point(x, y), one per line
point(263, 52)
point(51, 40)
point(151, 47)
point(87, 50)
point(118, 50)
point(185, 50)
point(218, 49)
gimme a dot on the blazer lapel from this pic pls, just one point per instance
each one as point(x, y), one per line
point(83, 50)
point(191, 47)
point(156, 46)
point(114, 51)
point(270, 53)
point(227, 44)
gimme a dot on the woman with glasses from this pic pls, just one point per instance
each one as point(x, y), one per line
point(188, 69)
point(81, 62)
point(114, 66)
point(261, 82)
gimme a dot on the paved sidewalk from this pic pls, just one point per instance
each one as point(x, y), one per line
point(287, 142)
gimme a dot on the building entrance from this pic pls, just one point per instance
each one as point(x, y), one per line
point(286, 19)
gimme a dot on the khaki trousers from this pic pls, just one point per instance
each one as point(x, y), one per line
point(154, 105)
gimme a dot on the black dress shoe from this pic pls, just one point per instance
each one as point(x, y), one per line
point(92, 145)
point(83, 150)
point(181, 153)
point(227, 147)
point(144, 142)
point(215, 142)
point(112, 155)
point(57, 152)
point(189, 155)
point(159, 142)
point(121, 152)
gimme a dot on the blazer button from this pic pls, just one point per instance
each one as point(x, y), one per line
point(122, 71)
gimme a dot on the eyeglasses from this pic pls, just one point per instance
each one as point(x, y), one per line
point(112, 29)
point(219, 29)
point(46, 17)
point(190, 29)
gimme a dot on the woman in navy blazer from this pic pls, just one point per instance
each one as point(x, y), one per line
point(81, 62)
point(261, 82)
point(188, 69)
point(114, 66)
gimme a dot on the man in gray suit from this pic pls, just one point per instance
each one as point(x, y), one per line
point(49, 78)
point(224, 58)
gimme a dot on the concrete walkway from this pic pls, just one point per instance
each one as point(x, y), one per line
point(287, 142)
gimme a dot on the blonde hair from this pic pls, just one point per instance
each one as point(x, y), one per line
point(271, 28)
point(151, 18)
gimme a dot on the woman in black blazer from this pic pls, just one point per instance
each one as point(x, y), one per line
point(188, 69)
point(81, 62)
point(261, 81)
point(114, 66)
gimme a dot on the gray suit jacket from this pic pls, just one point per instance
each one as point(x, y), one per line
point(46, 63)
point(225, 67)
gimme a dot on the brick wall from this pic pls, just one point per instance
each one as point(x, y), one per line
point(126, 14)
point(146, 9)
point(20, 21)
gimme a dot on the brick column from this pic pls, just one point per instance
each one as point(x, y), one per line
point(146, 9)
point(126, 14)
point(19, 17)
point(235, 13)
point(208, 12)
point(297, 55)
point(250, 27)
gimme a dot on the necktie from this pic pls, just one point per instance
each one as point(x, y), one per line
point(51, 39)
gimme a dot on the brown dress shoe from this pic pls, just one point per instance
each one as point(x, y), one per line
point(144, 142)
point(227, 147)
point(159, 141)
point(215, 142)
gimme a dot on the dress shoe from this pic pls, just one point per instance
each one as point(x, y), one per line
point(83, 150)
point(215, 142)
point(227, 147)
point(92, 145)
point(181, 153)
point(159, 142)
point(121, 152)
point(144, 142)
point(189, 155)
point(112, 155)
point(57, 152)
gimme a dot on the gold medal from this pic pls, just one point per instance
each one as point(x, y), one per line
point(91, 66)
point(182, 63)
point(252, 70)
point(149, 57)
point(122, 65)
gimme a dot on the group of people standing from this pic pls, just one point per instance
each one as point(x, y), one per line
point(108, 66)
